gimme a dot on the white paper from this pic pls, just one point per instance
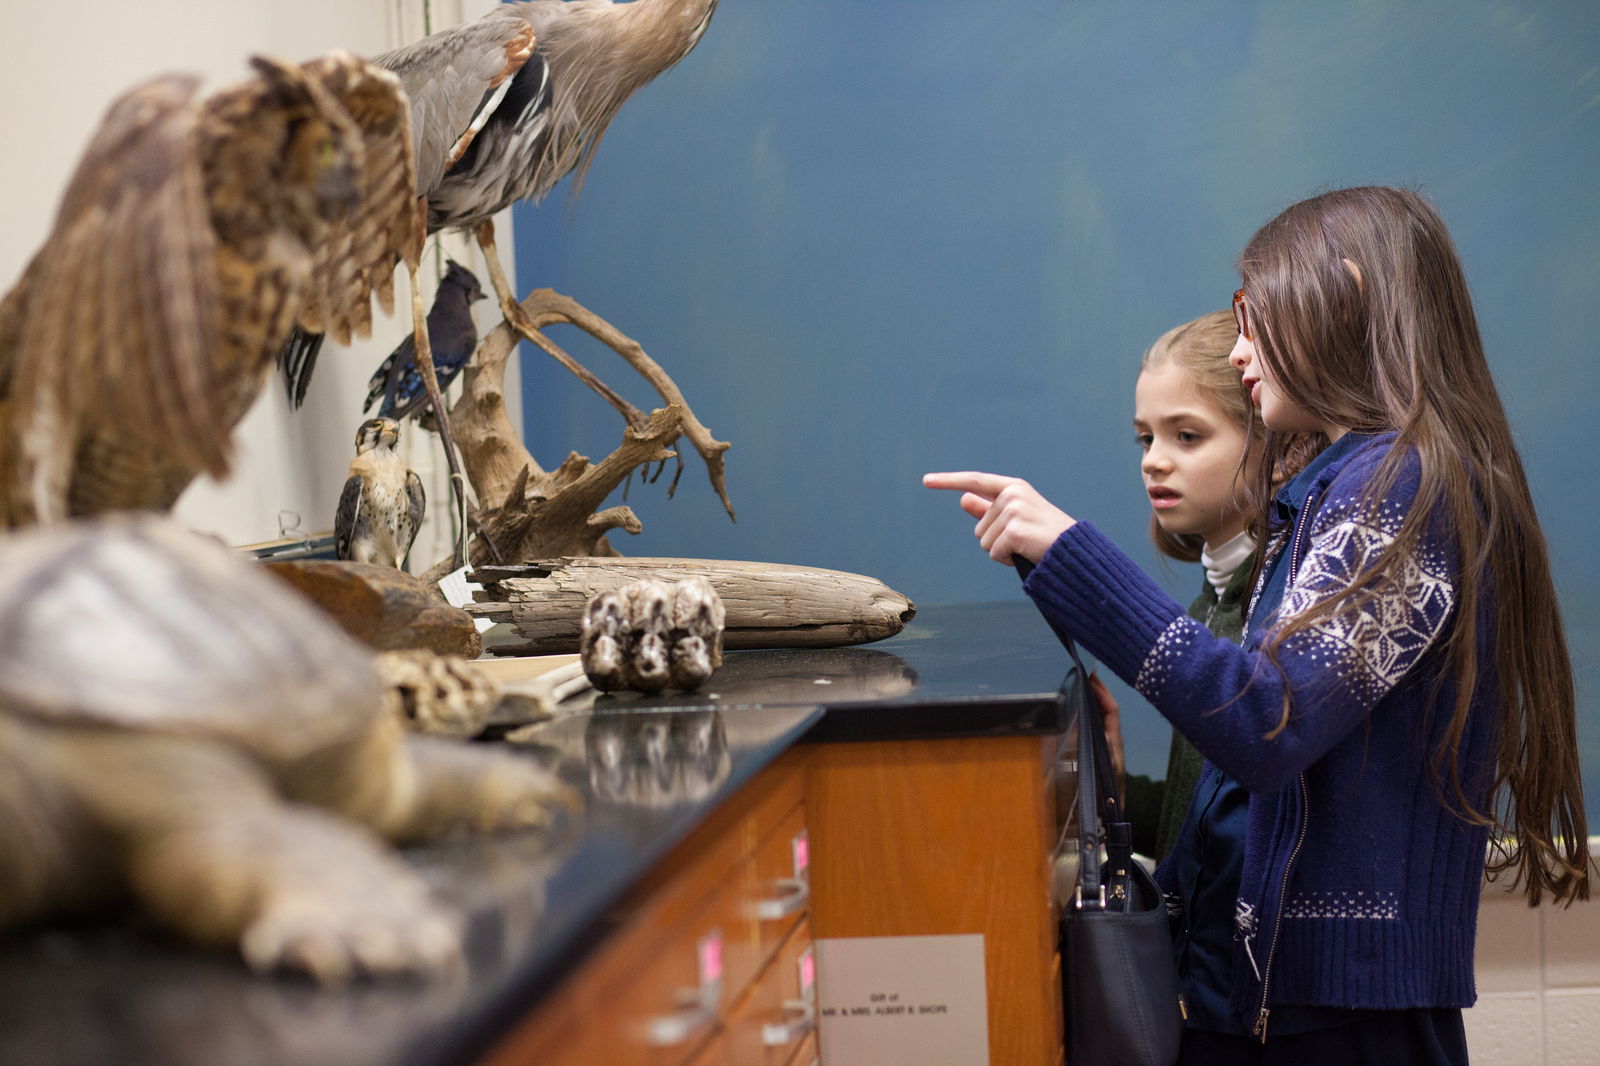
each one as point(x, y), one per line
point(458, 592)
point(902, 1001)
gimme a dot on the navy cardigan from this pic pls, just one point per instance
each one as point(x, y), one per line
point(1360, 888)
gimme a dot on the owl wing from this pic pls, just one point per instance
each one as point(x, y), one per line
point(455, 79)
point(358, 257)
point(347, 518)
point(116, 317)
point(417, 506)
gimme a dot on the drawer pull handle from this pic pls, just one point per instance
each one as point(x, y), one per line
point(797, 892)
point(802, 1018)
point(673, 1030)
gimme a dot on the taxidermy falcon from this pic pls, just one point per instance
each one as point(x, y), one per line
point(451, 333)
point(506, 106)
point(382, 504)
point(193, 236)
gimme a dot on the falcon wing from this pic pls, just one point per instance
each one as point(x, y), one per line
point(418, 507)
point(116, 316)
point(455, 79)
point(358, 257)
point(347, 519)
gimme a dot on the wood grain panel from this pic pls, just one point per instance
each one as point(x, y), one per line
point(932, 837)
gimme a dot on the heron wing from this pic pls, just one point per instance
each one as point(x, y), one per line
point(455, 79)
point(120, 320)
point(357, 259)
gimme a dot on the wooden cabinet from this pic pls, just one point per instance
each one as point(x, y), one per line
point(941, 837)
point(705, 966)
point(712, 962)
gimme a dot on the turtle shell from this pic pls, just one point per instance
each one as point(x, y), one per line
point(134, 623)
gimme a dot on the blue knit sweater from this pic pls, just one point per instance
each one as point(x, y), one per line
point(1359, 888)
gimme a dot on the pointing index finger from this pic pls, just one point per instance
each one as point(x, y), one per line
point(973, 481)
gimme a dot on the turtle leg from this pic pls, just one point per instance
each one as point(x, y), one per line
point(51, 861)
point(214, 852)
point(479, 788)
point(412, 788)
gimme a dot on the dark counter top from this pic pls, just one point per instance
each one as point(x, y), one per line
point(650, 771)
point(968, 670)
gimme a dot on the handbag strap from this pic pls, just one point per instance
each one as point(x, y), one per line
point(1101, 820)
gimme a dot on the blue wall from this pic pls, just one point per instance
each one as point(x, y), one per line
point(870, 239)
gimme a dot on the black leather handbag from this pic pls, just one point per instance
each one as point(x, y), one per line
point(1119, 977)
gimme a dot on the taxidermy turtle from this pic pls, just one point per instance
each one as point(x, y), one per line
point(178, 727)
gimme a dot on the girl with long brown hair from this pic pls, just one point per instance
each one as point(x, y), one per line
point(1404, 695)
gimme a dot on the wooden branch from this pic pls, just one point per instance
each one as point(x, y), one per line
point(769, 605)
point(527, 512)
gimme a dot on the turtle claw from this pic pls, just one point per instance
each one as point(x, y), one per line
point(335, 940)
point(516, 794)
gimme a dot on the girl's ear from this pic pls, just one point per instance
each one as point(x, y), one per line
point(1355, 272)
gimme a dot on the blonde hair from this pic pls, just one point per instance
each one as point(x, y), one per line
point(1200, 348)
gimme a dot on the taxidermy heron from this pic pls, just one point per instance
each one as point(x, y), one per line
point(192, 237)
point(506, 106)
point(381, 507)
point(452, 335)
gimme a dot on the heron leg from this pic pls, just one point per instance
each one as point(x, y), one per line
point(430, 381)
point(518, 320)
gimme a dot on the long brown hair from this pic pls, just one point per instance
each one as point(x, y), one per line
point(1200, 349)
point(1394, 345)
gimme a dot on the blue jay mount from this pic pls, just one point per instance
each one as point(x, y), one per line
point(453, 336)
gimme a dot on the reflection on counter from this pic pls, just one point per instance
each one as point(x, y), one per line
point(775, 678)
point(656, 760)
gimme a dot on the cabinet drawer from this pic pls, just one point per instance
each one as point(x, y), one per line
point(691, 940)
point(807, 1054)
point(779, 1013)
point(669, 999)
point(781, 883)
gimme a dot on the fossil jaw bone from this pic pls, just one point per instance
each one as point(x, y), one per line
point(650, 634)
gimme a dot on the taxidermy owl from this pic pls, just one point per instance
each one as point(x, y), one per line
point(193, 237)
point(381, 507)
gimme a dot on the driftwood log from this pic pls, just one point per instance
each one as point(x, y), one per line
point(526, 512)
point(769, 605)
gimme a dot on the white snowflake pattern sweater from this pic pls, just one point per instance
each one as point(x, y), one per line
point(1360, 888)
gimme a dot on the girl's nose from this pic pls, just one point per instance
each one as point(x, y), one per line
point(1155, 460)
point(1242, 352)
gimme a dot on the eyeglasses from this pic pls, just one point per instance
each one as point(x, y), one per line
point(1241, 315)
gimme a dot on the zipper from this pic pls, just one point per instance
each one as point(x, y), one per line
point(1260, 1029)
point(1296, 547)
point(1300, 535)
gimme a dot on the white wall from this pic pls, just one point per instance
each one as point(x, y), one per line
point(65, 63)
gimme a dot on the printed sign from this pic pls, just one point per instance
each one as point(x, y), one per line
point(902, 1001)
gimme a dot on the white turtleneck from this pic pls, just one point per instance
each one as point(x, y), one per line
point(1221, 562)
